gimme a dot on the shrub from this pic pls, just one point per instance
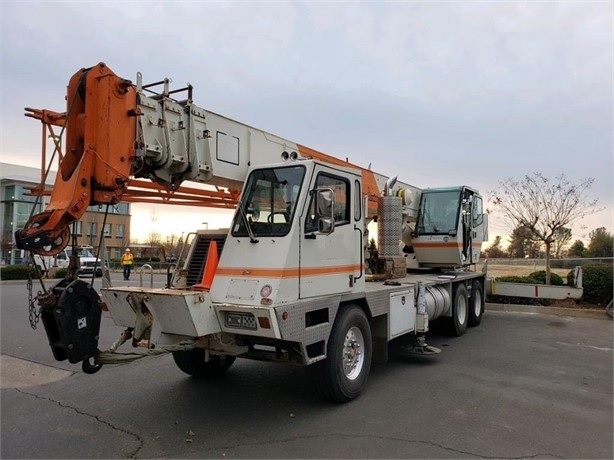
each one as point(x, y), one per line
point(16, 272)
point(597, 281)
point(516, 279)
point(61, 273)
point(540, 277)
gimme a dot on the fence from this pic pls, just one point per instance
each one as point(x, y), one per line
point(523, 267)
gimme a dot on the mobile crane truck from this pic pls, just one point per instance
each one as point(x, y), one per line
point(292, 280)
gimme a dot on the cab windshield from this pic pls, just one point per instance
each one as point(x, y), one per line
point(438, 212)
point(269, 202)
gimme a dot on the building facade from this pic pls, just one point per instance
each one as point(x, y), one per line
point(16, 206)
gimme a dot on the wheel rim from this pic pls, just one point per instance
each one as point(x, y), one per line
point(477, 303)
point(461, 309)
point(353, 353)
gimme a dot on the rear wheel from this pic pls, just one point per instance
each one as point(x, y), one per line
point(342, 376)
point(476, 304)
point(193, 363)
point(457, 324)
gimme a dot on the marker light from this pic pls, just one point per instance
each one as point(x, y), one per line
point(266, 290)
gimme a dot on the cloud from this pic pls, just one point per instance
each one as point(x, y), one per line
point(441, 92)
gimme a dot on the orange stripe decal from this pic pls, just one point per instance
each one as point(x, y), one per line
point(286, 272)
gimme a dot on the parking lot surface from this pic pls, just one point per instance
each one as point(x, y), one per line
point(518, 386)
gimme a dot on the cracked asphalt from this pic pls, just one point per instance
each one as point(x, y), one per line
point(519, 386)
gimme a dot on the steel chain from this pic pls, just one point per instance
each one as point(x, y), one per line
point(34, 315)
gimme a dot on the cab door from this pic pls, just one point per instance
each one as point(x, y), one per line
point(329, 263)
point(473, 226)
point(479, 221)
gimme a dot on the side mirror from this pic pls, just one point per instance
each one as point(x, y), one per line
point(326, 204)
point(326, 225)
point(326, 201)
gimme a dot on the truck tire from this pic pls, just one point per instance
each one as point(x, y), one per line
point(476, 304)
point(192, 362)
point(457, 324)
point(342, 376)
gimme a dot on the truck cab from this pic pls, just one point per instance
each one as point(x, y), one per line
point(297, 233)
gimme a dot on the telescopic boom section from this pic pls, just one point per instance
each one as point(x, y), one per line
point(100, 134)
point(117, 132)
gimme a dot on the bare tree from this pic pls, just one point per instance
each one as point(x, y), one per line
point(543, 206)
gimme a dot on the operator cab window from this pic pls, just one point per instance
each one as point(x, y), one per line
point(476, 211)
point(439, 212)
point(341, 206)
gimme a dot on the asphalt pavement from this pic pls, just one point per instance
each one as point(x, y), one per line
point(520, 385)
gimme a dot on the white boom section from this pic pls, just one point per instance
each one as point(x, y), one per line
point(181, 141)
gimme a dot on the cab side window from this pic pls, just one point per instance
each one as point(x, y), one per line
point(341, 207)
point(476, 211)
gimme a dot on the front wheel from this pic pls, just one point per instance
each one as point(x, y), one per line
point(608, 309)
point(342, 376)
point(193, 363)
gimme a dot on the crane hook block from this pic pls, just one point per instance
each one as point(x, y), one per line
point(72, 321)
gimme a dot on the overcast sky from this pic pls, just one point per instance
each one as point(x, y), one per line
point(439, 93)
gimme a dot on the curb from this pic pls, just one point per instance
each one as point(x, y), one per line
point(541, 310)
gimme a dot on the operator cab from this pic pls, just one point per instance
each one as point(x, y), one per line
point(450, 227)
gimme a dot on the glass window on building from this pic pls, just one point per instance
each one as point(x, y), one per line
point(24, 195)
point(119, 230)
point(91, 229)
point(7, 219)
point(9, 192)
point(78, 228)
point(107, 230)
point(121, 208)
point(22, 213)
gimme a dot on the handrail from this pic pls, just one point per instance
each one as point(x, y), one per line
point(150, 272)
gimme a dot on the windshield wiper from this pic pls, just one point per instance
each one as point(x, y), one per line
point(252, 237)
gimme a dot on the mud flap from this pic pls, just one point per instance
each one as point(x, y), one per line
point(73, 322)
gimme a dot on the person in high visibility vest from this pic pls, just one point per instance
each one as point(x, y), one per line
point(126, 262)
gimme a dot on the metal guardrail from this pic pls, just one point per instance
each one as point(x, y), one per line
point(554, 263)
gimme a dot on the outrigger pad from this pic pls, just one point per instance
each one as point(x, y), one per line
point(73, 322)
point(420, 350)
